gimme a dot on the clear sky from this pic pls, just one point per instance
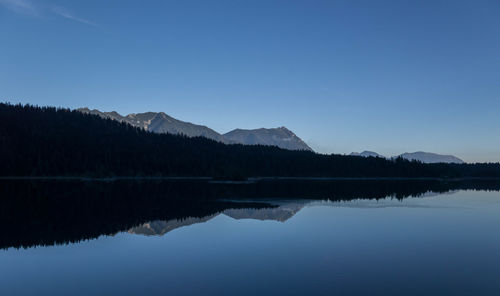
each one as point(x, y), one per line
point(388, 76)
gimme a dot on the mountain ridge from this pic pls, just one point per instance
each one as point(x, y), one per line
point(160, 122)
point(367, 153)
point(425, 157)
point(429, 157)
point(280, 136)
point(55, 142)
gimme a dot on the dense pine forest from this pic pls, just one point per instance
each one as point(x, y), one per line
point(47, 141)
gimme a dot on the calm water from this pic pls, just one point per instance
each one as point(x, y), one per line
point(435, 244)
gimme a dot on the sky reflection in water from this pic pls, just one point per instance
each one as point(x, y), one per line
point(434, 245)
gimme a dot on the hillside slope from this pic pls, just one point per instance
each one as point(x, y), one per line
point(36, 141)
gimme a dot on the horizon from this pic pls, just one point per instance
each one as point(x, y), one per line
point(345, 77)
point(278, 127)
point(266, 128)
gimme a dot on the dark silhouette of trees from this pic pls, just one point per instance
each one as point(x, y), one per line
point(39, 213)
point(46, 141)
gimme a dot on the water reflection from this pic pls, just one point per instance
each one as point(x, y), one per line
point(281, 213)
point(45, 213)
point(248, 240)
point(278, 210)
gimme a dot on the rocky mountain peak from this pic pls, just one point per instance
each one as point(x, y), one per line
point(160, 122)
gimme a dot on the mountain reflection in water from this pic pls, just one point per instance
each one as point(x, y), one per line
point(44, 213)
point(280, 213)
point(279, 210)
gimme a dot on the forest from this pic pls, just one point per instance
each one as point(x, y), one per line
point(48, 141)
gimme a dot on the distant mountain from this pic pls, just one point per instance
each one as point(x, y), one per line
point(367, 154)
point(427, 157)
point(54, 142)
point(160, 123)
point(281, 137)
point(163, 123)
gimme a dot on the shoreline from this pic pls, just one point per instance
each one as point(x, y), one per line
point(247, 180)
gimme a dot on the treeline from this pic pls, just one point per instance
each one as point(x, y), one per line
point(46, 141)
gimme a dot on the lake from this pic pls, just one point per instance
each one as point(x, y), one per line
point(372, 237)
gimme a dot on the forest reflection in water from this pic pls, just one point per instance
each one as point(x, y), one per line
point(44, 213)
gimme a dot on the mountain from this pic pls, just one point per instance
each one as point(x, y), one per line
point(47, 141)
point(427, 157)
point(367, 154)
point(159, 122)
point(281, 137)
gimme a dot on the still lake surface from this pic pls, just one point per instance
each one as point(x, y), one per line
point(403, 239)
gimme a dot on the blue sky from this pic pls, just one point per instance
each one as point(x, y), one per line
point(387, 76)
